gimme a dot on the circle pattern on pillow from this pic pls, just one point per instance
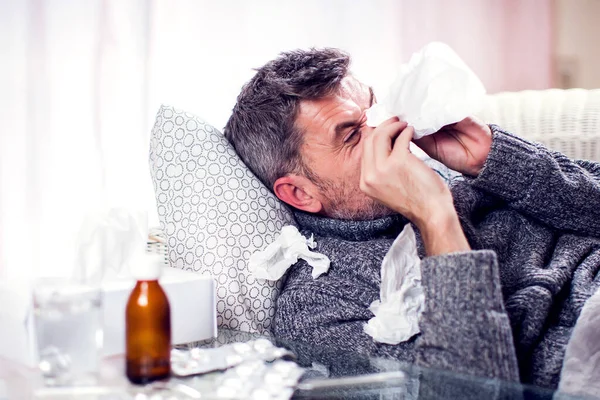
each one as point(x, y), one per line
point(215, 214)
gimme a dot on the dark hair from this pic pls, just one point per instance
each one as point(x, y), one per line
point(262, 124)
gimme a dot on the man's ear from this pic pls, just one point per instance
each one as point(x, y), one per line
point(299, 192)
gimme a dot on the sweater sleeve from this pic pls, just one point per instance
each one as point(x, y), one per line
point(464, 327)
point(543, 184)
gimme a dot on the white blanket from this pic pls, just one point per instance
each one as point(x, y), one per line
point(580, 374)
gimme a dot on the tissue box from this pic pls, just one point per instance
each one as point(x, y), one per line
point(193, 308)
point(193, 315)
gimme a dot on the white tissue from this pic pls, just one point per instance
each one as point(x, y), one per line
point(402, 298)
point(434, 89)
point(272, 262)
point(110, 243)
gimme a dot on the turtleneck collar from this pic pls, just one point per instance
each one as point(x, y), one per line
point(386, 227)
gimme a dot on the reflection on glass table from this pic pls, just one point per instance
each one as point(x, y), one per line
point(332, 374)
point(329, 374)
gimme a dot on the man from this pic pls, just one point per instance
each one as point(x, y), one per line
point(509, 254)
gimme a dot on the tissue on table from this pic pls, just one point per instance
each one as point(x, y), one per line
point(272, 262)
point(434, 89)
point(402, 298)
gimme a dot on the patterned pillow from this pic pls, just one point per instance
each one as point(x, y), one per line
point(215, 214)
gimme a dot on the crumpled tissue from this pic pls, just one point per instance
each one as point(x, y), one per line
point(434, 89)
point(402, 300)
point(272, 262)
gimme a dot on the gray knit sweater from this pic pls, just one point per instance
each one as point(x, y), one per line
point(505, 309)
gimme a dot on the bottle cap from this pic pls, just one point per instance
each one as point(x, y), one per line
point(149, 268)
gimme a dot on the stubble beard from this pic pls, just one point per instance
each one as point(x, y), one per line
point(350, 203)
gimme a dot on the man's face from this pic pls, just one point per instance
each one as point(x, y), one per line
point(333, 130)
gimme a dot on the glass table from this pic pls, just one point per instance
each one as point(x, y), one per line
point(328, 375)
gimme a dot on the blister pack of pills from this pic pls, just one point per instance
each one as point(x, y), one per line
point(259, 380)
point(197, 361)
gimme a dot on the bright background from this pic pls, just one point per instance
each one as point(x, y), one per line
point(81, 80)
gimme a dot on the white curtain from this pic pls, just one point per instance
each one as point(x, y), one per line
point(81, 80)
point(74, 134)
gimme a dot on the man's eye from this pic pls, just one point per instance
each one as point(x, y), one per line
point(353, 135)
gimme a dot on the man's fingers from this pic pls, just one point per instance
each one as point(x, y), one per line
point(428, 145)
point(377, 143)
point(383, 137)
point(403, 141)
point(389, 121)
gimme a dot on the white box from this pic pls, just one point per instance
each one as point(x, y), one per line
point(193, 314)
point(17, 334)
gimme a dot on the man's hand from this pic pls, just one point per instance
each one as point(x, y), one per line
point(392, 175)
point(463, 146)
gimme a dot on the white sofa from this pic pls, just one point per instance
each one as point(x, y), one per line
point(567, 121)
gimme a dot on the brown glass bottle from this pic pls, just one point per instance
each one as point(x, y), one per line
point(148, 333)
